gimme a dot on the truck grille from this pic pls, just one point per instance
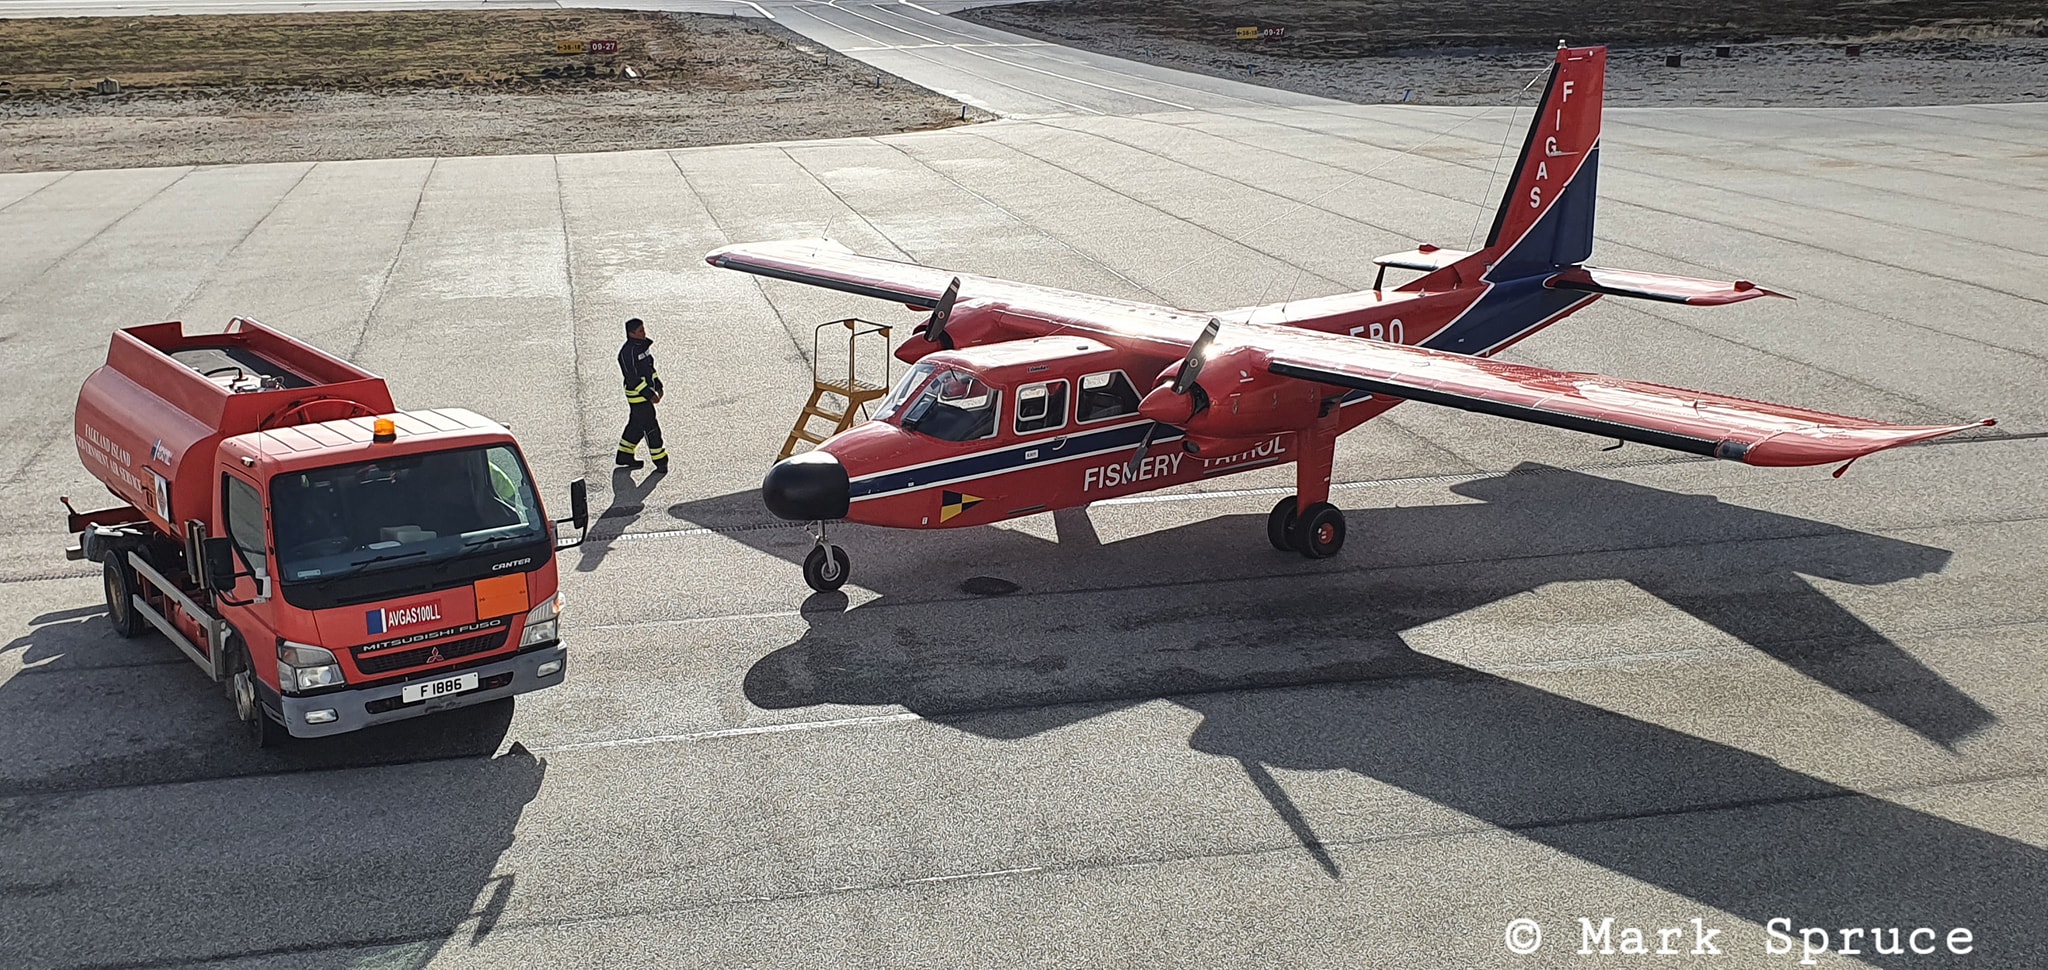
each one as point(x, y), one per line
point(378, 663)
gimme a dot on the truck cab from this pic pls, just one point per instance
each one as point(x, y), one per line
point(383, 569)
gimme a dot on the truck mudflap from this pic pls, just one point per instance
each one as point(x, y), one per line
point(322, 715)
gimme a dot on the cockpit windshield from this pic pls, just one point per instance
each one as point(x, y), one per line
point(954, 405)
point(904, 388)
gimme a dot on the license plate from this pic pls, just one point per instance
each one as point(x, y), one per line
point(438, 688)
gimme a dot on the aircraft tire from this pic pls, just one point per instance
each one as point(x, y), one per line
point(826, 568)
point(1280, 525)
point(1319, 533)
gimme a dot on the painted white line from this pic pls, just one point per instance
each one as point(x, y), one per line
point(727, 733)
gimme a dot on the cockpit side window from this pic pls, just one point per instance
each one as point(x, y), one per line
point(1041, 407)
point(1104, 396)
point(955, 406)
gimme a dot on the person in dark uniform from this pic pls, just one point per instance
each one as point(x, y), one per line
point(643, 392)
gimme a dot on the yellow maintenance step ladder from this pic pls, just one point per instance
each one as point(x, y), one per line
point(842, 402)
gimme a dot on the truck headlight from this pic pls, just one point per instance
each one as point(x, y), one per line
point(302, 667)
point(543, 622)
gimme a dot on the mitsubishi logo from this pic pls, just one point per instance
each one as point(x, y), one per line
point(434, 656)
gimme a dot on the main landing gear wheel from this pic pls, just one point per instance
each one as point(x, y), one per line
point(120, 583)
point(1280, 525)
point(1319, 532)
point(826, 568)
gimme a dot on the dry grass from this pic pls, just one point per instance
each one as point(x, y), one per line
point(373, 51)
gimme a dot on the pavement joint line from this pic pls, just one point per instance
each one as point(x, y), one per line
point(207, 276)
point(397, 255)
point(1020, 220)
point(89, 240)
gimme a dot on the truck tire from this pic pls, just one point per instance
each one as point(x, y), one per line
point(120, 583)
point(242, 690)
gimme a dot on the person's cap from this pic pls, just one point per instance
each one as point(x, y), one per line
point(633, 324)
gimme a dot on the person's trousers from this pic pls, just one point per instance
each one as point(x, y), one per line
point(641, 423)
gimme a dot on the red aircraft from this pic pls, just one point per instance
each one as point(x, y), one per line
point(1025, 398)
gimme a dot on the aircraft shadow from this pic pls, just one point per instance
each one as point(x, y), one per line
point(122, 794)
point(1740, 570)
point(1716, 824)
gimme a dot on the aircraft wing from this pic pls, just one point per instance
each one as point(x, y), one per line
point(819, 262)
point(1716, 425)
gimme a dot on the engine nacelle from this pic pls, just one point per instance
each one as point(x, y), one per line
point(1236, 400)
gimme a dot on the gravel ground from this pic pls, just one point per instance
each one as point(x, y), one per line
point(1915, 70)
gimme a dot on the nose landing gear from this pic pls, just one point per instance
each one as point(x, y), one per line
point(827, 565)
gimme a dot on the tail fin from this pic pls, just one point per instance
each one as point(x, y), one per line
point(1546, 218)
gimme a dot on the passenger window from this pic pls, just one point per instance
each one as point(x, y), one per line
point(245, 520)
point(1104, 396)
point(1041, 407)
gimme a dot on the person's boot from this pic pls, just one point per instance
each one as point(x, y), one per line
point(661, 465)
point(628, 463)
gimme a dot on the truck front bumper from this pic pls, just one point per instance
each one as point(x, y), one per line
point(354, 710)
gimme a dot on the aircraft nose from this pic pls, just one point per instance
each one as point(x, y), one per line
point(810, 487)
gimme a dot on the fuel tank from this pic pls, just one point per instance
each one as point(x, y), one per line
point(150, 420)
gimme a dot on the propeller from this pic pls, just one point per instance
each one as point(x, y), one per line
point(1184, 383)
point(935, 329)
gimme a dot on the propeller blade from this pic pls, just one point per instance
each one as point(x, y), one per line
point(1191, 369)
point(1144, 445)
point(941, 313)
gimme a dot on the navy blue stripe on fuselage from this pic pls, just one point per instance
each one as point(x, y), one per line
point(1009, 458)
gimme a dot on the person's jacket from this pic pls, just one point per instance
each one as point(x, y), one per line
point(636, 366)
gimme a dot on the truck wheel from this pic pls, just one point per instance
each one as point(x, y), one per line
point(825, 569)
point(119, 580)
point(242, 689)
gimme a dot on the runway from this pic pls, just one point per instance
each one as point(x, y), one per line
point(1543, 681)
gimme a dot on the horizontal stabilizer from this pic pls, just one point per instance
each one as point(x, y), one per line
point(1428, 259)
point(1656, 286)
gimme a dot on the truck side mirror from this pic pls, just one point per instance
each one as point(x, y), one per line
point(217, 569)
point(579, 515)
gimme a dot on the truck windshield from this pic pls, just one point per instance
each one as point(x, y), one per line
point(401, 511)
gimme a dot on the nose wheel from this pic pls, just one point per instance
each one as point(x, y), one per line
point(827, 565)
point(1316, 532)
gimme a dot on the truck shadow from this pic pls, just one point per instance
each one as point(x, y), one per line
point(1344, 690)
point(126, 784)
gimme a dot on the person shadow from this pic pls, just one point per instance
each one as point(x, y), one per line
point(1344, 689)
point(125, 780)
point(629, 502)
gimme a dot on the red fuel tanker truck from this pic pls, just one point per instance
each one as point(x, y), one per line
point(334, 561)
